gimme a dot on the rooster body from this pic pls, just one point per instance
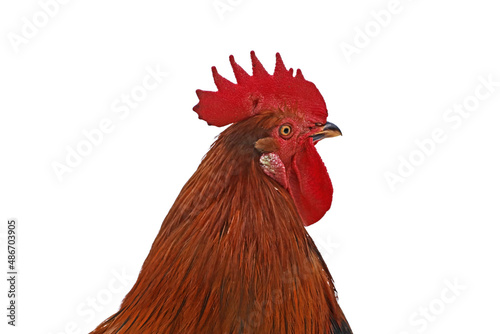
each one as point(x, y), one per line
point(232, 255)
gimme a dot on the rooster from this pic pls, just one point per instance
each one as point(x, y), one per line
point(232, 255)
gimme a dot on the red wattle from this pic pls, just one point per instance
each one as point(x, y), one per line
point(310, 185)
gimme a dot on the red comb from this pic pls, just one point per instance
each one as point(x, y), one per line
point(259, 92)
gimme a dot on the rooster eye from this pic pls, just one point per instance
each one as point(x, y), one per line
point(285, 130)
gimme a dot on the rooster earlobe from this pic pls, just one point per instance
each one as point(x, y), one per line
point(267, 145)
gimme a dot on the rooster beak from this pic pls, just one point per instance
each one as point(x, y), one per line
point(328, 130)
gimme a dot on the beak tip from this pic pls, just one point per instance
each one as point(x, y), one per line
point(328, 130)
point(333, 128)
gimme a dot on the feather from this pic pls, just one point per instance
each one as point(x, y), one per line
point(232, 255)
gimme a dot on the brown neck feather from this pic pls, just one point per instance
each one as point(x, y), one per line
point(232, 256)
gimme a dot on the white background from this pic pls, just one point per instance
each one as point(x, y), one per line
point(393, 252)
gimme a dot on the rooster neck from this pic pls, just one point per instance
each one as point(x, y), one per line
point(232, 256)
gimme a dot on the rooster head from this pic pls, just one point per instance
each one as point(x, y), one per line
point(291, 116)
